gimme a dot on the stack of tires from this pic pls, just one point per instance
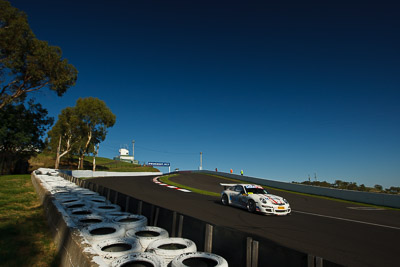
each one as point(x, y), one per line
point(120, 238)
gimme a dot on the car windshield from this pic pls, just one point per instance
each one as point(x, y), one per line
point(256, 191)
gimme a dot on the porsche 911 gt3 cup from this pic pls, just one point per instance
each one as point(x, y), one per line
point(254, 198)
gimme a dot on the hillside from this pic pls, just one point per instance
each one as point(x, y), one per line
point(47, 160)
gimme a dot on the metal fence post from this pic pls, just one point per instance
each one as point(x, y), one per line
point(156, 216)
point(254, 254)
point(116, 197)
point(314, 261)
point(248, 251)
point(208, 238)
point(318, 262)
point(180, 226)
point(140, 205)
point(127, 203)
point(173, 230)
point(108, 193)
point(310, 260)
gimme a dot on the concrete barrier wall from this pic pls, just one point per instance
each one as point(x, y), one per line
point(71, 248)
point(379, 199)
point(88, 173)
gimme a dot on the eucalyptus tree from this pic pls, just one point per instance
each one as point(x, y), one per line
point(65, 134)
point(81, 128)
point(95, 118)
point(26, 63)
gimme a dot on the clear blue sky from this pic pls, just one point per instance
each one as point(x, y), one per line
point(280, 90)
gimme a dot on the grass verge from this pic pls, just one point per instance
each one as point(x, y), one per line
point(25, 237)
point(165, 179)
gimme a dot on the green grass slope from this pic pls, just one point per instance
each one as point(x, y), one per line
point(47, 160)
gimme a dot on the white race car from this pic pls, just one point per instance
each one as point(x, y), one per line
point(254, 198)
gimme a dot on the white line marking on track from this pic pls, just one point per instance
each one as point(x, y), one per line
point(348, 220)
point(184, 190)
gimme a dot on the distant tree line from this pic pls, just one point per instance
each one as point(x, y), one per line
point(339, 184)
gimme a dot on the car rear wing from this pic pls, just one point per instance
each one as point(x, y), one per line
point(227, 185)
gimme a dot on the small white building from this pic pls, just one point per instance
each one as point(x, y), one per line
point(124, 156)
point(123, 152)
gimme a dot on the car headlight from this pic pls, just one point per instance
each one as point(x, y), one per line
point(263, 200)
point(284, 200)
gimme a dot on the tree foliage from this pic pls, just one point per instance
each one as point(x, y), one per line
point(79, 129)
point(65, 134)
point(21, 130)
point(378, 187)
point(96, 117)
point(393, 190)
point(26, 63)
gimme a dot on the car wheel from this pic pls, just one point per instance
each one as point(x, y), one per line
point(251, 206)
point(224, 200)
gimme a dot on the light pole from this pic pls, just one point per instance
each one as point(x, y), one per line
point(201, 161)
point(133, 151)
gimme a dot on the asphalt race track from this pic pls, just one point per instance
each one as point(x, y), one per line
point(345, 233)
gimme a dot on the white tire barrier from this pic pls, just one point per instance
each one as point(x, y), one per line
point(113, 248)
point(199, 259)
point(147, 234)
point(131, 221)
point(80, 211)
point(99, 231)
point(58, 184)
point(96, 200)
point(58, 194)
point(114, 214)
point(106, 208)
point(79, 191)
point(144, 259)
point(86, 220)
point(56, 178)
point(88, 194)
point(53, 173)
point(169, 248)
point(75, 205)
point(68, 199)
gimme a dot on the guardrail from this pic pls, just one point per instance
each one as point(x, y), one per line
point(88, 173)
point(238, 248)
point(379, 199)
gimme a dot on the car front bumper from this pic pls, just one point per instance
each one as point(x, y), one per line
point(274, 210)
